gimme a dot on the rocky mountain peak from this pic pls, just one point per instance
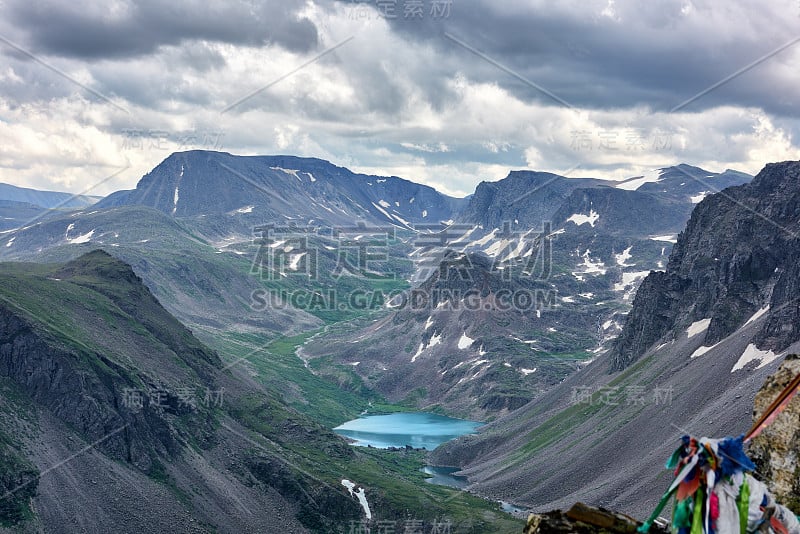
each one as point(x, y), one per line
point(202, 183)
point(737, 256)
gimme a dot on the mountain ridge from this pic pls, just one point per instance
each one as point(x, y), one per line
point(701, 339)
point(736, 256)
point(46, 199)
point(197, 183)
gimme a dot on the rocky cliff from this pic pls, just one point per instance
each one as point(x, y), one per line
point(583, 519)
point(526, 196)
point(776, 451)
point(101, 388)
point(739, 254)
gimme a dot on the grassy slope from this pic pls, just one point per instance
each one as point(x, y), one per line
point(394, 479)
point(81, 314)
point(15, 469)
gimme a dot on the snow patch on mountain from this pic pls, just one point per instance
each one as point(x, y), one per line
point(579, 218)
point(85, 238)
point(589, 266)
point(669, 238)
point(757, 315)
point(418, 353)
point(464, 341)
point(401, 220)
point(390, 216)
point(635, 183)
point(628, 283)
point(702, 350)
point(485, 239)
point(752, 354)
point(360, 494)
point(291, 172)
point(698, 327)
point(175, 197)
point(517, 252)
point(622, 258)
point(498, 246)
point(435, 340)
point(698, 197)
point(295, 261)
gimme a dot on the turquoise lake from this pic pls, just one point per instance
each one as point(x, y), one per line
point(417, 429)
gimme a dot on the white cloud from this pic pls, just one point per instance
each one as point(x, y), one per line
point(383, 103)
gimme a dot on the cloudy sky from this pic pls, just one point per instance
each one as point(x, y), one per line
point(93, 93)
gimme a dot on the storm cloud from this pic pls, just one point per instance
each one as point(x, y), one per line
point(449, 94)
point(104, 30)
point(601, 54)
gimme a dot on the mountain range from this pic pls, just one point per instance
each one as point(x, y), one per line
point(19, 205)
point(190, 229)
point(520, 304)
point(574, 251)
point(700, 339)
point(46, 199)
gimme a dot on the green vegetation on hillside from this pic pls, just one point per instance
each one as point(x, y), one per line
point(92, 317)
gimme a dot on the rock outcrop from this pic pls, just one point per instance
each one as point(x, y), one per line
point(583, 519)
point(776, 451)
point(526, 196)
